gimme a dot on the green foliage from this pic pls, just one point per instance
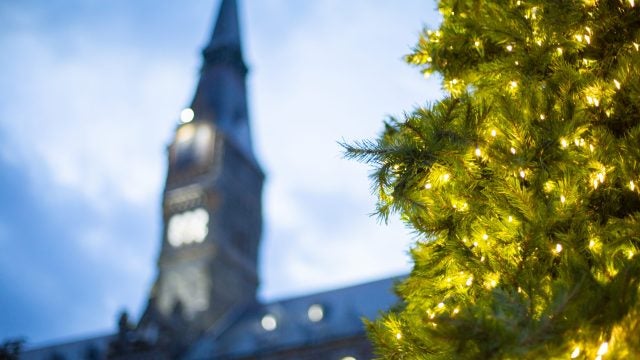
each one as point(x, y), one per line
point(523, 183)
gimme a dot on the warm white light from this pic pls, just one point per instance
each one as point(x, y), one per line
point(542, 117)
point(440, 305)
point(478, 152)
point(315, 313)
point(446, 177)
point(510, 218)
point(485, 237)
point(493, 133)
point(469, 281)
point(559, 51)
point(513, 84)
point(475, 243)
point(269, 322)
point(522, 174)
point(186, 115)
point(558, 248)
point(564, 143)
point(632, 3)
point(591, 243)
point(477, 43)
point(575, 353)
point(509, 48)
point(398, 336)
point(428, 186)
point(587, 38)
point(513, 150)
point(616, 83)
point(456, 310)
point(603, 348)
point(632, 186)
point(562, 199)
point(348, 358)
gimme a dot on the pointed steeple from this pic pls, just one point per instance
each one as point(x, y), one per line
point(227, 29)
point(225, 45)
point(221, 96)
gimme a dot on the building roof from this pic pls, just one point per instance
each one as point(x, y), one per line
point(78, 349)
point(297, 322)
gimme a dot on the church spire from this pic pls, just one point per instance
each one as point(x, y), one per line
point(227, 28)
point(221, 96)
point(225, 45)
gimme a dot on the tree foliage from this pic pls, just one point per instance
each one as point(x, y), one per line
point(522, 183)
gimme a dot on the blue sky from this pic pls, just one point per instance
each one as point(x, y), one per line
point(90, 92)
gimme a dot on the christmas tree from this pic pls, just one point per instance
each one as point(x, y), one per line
point(522, 185)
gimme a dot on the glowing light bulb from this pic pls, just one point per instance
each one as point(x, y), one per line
point(579, 37)
point(604, 347)
point(630, 254)
point(542, 117)
point(587, 38)
point(429, 59)
point(482, 259)
point(591, 243)
point(513, 84)
point(517, 63)
point(632, 3)
point(454, 81)
point(595, 183)
point(398, 336)
point(440, 305)
point(510, 218)
point(493, 283)
point(428, 186)
point(478, 152)
point(509, 48)
point(456, 310)
point(632, 186)
point(475, 244)
point(616, 83)
point(522, 174)
point(559, 50)
point(575, 353)
point(485, 237)
point(446, 177)
point(469, 281)
point(562, 199)
point(636, 45)
point(476, 44)
point(513, 150)
point(558, 249)
point(493, 133)
point(563, 142)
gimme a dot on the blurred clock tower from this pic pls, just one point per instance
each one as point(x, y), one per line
point(212, 206)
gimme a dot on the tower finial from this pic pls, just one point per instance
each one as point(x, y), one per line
point(226, 32)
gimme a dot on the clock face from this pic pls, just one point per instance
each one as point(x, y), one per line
point(188, 227)
point(192, 144)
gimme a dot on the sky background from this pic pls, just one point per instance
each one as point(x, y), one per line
point(90, 94)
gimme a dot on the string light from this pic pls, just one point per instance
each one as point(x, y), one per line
point(441, 305)
point(493, 133)
point(469, 281)
point(563, 142)
point(478, 152)
point(559, 50)
point(604, 347)
point(587, 38)
point(455, 311)
point(522, 174)
point(558, 249)
point(632, 3)
point(562, 199)
point(427, 186)
point(476, 44)
point(485, 237)
point(632, 186)
point(509, 48)
point(510, 219)
point(616, 83)
point(513, 84)
point(575, 353)
point(542, 117)
point(446, 177)
point(513, 150)
point(591, 243)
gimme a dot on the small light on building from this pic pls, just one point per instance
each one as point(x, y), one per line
point(315, 313)
point(348, 358)
point(186, 115)
point(269, 322)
